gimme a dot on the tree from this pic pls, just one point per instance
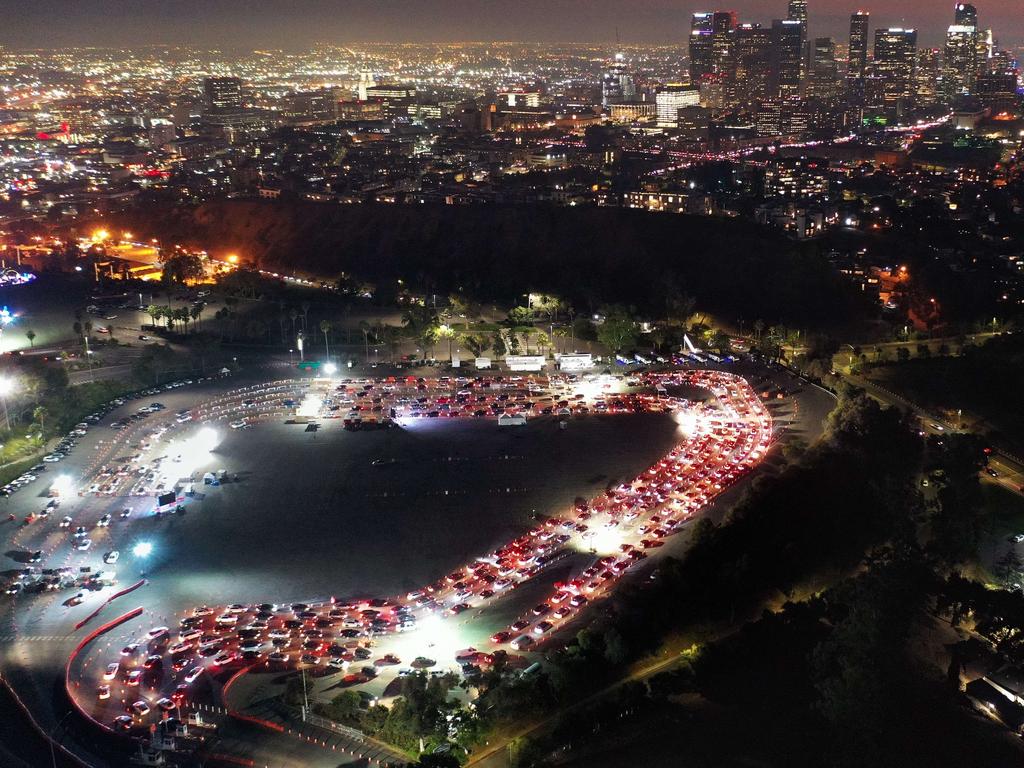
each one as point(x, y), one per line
point(31, 335)
point(618, 329)
point(196, 312)
point(325, 329)
point(1008, 567)
point(498, 344)
point(39, 416)
point(305, 314)
point(446, 332)
point(182, 268)
point(520, 316)
point(477, 344)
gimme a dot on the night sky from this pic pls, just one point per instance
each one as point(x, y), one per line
point(298, 23)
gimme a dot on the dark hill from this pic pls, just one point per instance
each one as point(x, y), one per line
point(594, 256)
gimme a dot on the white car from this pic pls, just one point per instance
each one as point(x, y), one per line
point(240, 424)
point(111, 557)
point(157, 632)
point(83, 545)
point(193, 674)
point(111, 671)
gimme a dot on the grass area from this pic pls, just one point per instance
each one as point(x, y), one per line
point(11, 471)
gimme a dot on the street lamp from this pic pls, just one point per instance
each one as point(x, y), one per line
point(330, 369)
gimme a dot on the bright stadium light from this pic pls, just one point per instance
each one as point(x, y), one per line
point(330, 369)
point(142, 549)
point(61, 485)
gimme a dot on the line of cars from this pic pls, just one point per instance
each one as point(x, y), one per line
point(733, 432)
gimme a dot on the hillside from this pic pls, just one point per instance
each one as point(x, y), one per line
point(593, 255)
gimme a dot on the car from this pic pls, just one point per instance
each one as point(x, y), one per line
point(134, 677)
point(36, 557)
point(193, 674)
point(153, 661)
point(144, 337)
point(111, 671)
point(103, 522)
point(540, 610)
point(226, 657)
point(166, 705)
point(180, 664)
point(542, 628)
point(126, 513)
point(180, 647)
point(521, 643)
point(15, 588)
point(501, 637)
point(83, 545)
point(937, 427)
point(111, 557)
point(157, 632)
point(66, 522)
point(278, 657)
point(1019, 538)
point(140, 708)
point(991, 472)
point(103, 692)
point(130, 650)
point(123, 723)
point(239, 424)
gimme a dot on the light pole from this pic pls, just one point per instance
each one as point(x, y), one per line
point(53, 735)
point(299, 343)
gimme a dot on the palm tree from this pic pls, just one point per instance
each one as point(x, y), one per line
point(39, 416)
point(325, 329)
point(282, 318)
point(758, 327)
point(87, 327)
point(31, 335)
point(365, 328)
point(305, 314)
point(195, 312)
point(293, 313)
point(110, 331)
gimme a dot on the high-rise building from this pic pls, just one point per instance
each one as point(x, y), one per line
point(893, 76)
point(753, 62)
point(928, 77)
point(786, 58)
point(223, 94)
point(998, 92)
point(617, 84)
point(723, 26)
point(857, 66)
point(966, 15)
point(823, 76)
point(701, 52)
point(670, 99)
point(798, 12)
point(960, 59)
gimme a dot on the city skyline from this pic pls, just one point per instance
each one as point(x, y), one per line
point(228, 23)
